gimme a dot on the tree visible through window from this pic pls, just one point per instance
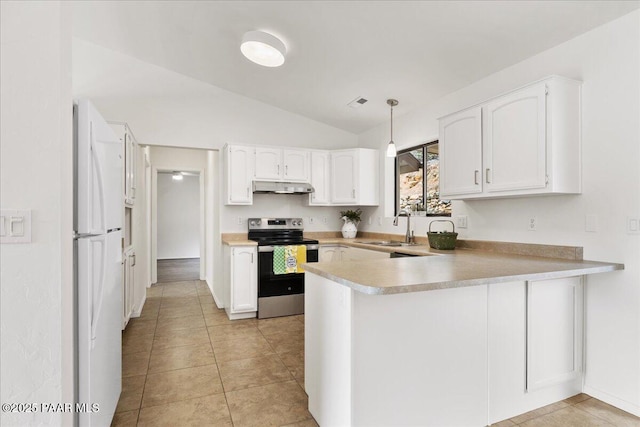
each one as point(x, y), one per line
point(417, 186)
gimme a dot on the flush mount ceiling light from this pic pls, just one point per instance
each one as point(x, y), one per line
point(263, 48)
point(177, 176)
point(391, 147)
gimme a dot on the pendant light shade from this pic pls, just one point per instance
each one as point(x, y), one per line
point(391, 147)
point(263, 48)
point(177, 176)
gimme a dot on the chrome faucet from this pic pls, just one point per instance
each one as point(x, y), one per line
point(408, 237)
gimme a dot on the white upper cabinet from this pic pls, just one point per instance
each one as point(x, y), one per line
point(344, 176)
point(281, 164)
point(461, 153)
point(515, 141)
point(522, 143)
point(296, 165)
point(341, 177)
point(130, 150)
point(355, 177)
point(238, 164)
point(268, 163)
point(320, 178)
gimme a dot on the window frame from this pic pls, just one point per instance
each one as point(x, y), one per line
point(424, 146)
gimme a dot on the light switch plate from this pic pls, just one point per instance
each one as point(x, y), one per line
point(461, 221)
point(16, 227)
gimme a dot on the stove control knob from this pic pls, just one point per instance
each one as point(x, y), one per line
point(252, 223)
point(259, 222)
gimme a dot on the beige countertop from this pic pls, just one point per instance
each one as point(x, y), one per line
point(445, 269)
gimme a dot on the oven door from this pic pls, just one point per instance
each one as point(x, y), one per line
point(270, 284)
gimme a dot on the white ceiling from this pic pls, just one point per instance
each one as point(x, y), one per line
point(413, 51)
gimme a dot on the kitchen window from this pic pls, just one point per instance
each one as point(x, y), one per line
point(417, 187)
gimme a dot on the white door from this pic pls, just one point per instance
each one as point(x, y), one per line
point(244, 283)
point(269, 163)
point(461, 153)
point(320, 178)
point(343, 177)
point(99, 168)
point(296, 165)
point(515, 141)
point(99, 326)
point(240, 173)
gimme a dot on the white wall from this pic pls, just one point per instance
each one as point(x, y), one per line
point(36, 173)
point(607, 60)
point(178, 217)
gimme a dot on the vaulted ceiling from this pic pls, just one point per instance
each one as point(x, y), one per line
point(414, 51)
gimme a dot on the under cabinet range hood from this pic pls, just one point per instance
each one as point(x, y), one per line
point(279, 187)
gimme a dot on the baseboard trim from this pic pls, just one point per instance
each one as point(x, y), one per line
point(217, 300)
point(137, 312)
point(612, 400)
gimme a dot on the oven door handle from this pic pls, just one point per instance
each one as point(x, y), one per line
point(270, 248)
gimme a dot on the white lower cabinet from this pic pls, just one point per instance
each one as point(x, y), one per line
point(241, 281)
point(468, 356)
point(535, 344)
point(128, 284)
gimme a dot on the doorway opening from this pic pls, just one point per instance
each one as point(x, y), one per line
point(178, 226)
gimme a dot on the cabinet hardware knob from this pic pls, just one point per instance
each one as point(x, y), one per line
point(475, 176)
point(278, 169)
point(286, 169)
point(487, 176)
point(353, 192)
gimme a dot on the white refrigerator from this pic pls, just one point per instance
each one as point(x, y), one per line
point(98, 259)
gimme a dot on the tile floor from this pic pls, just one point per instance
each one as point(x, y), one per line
point(186, 364)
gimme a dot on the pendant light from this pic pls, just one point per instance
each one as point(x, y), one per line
point(177, 176)
point(391, 148)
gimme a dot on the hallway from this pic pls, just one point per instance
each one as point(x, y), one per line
point(185, 363)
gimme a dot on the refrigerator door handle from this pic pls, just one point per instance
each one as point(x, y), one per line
point(103, 205)
point(97, 305)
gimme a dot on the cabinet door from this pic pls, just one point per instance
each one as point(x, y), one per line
point(344, 173)
point(296, 165)
point(535, 348)
point(515, 141)
point(268, 163)
point(244, 284)
point(239, 175)
point(461, 153)
point(554, 331)
point(320, 178)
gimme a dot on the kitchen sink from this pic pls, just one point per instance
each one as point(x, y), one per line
point(389, 243)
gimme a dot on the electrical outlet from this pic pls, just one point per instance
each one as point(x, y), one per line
point(239, 220)
point(370, 220)
point(324, 219)
point(379, 220)
point(633, 225)
point(310, 220)
point(461, 221)
point(532, 224)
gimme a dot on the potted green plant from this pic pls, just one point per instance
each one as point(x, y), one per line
point(351, 220)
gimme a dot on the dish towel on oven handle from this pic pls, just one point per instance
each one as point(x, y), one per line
point(287, 259)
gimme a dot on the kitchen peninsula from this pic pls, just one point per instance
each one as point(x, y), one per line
point(467, 338)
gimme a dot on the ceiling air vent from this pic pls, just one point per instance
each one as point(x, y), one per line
point(358, 102)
